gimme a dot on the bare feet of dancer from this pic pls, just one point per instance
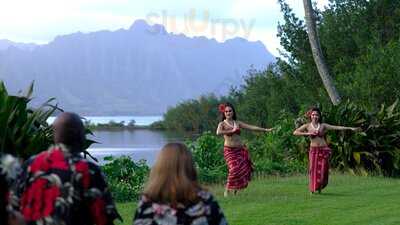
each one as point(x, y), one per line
point(226, 192)
point(319, 191)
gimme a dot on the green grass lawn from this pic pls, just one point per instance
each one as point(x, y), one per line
point(278, 200)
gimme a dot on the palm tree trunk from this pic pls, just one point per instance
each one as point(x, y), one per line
point(317, 53)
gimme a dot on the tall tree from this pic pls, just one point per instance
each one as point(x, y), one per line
point(317, 53)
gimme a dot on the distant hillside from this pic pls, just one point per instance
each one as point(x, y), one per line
point(135, 71)
point(5, 44)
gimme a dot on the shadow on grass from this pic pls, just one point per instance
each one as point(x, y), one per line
point(333, 194)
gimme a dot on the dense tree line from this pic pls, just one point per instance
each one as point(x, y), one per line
point(361, 42)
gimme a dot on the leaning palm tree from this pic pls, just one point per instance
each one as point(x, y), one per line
point(317, 53)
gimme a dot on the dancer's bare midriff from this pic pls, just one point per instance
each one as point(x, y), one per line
point(232, 141)
point(318, 142)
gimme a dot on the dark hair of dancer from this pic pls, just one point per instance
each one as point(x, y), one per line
point(227, 104)
point(314, 109)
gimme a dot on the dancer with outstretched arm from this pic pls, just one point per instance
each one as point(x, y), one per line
point(319, 153)
point(235, 153)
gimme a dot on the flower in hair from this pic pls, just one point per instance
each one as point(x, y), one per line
point(308, 114)
point(221, 107)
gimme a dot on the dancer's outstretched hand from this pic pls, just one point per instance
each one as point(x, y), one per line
point(268, 129)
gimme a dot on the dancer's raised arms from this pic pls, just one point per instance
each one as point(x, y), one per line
point(252, 127)
point(303, 131)
point(334, 127)
point(319, 152)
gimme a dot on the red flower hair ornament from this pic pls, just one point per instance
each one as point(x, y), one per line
point(308, 113)
point(221, 108)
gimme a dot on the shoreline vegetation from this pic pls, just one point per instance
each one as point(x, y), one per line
point(123, 125)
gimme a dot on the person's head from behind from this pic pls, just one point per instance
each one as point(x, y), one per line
point(69, 130)
point(227, 111)
point(173, 178)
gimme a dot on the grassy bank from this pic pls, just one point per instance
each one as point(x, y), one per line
point(278, 200)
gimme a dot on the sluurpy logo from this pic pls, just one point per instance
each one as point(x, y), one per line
point(196, 22)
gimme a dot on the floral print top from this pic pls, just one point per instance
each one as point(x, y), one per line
point(204, 212)
point(59, 187)
point(9, 168)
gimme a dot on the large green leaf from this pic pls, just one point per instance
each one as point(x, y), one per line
point(25, 131)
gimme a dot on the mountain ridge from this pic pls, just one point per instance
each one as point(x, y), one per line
point(130, 72)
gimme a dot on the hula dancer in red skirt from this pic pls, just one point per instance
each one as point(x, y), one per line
point(236, 154)
point(319, 154)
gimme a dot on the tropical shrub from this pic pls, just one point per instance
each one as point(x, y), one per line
point(279, 152)
point(125, 177)
point(376, 149)
point(209, 158)
point(24, 131)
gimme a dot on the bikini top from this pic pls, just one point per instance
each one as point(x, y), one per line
point(237, 131)
point(318, 133)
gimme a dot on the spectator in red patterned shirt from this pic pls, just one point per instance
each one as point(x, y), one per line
point(59, 186)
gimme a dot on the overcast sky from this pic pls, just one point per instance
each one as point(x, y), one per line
point(40, 21)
